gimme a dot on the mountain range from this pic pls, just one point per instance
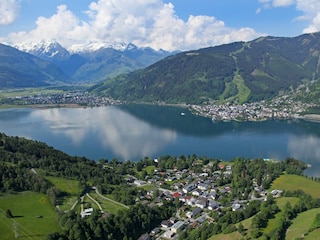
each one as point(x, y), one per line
point(236, 72)
point(48, 63)
point(19, 69)
point(240, 71)
point(94, 62)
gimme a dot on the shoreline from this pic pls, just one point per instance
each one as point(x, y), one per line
point(306, 117)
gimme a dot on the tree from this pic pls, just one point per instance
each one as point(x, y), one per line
point(9, 213)
point(240, 228)
point(316, 222)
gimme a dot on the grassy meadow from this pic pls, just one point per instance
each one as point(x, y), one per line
point(281, 202)
point(290, 182)
point(301, 224)
point(68, 186)
point(106, 205)
point(34, 216)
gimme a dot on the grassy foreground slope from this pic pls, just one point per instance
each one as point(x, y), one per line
point(34, 219)
point(301, 225)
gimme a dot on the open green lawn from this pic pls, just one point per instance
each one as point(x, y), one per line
point(148, 169)
point(293, 182)
point(26, 207)
point(69, 186)
point(281, 202)
point(106, 205)
point(231, 236)
point(314, 235)
point(301, 225)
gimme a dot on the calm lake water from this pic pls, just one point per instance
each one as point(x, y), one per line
point(135, 131)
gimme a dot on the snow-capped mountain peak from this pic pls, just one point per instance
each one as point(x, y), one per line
point(96, 45)
point(43, 49)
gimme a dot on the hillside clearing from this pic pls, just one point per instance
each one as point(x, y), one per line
point(290, 182)
point(301, 224)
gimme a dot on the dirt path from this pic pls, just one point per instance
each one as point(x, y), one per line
point(109, 199)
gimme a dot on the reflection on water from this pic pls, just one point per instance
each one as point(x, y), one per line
point(112, 128)
point(307, 148)
point(133, 132)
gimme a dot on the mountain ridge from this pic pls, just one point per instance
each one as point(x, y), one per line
point(240, 71)
point(94, 64)
point(20, 69)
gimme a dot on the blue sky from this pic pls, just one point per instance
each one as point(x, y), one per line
point(170, 25)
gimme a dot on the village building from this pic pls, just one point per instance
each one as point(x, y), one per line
point(189, 188)
point(177, 226)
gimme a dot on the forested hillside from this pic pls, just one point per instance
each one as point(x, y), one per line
point(27, 165)
point(243, 72)
point(19, 69)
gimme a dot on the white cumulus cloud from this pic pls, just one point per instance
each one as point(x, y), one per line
point(9, 10)
point(277, 3)
point(310, 10)
point(282, 3)
point(143, 22)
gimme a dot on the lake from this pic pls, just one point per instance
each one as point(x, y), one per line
point(131, 132)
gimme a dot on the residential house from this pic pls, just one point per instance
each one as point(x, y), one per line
point(86, 212)
point(213, 205)
point(236, 206)
point(203, 186)
point(196, 192)
point(166, 224)
point(155, 231)
point(191, 201)
point(201, 202)
point(139, 182)
point(213, 195)
point(177, 226)
point(168, 234)
point(189, 188)
point(195, 212)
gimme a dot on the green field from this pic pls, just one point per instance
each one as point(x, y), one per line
point(34, 216)
point(230, 236)
point(301, 225)
point(274, 222)
point(69, 186)
point(290, 182)
point(66, 185)
point(106, 205)
point(27, 91)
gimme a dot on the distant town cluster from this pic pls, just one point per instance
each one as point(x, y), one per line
point(77, 98)
point(279, 108)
